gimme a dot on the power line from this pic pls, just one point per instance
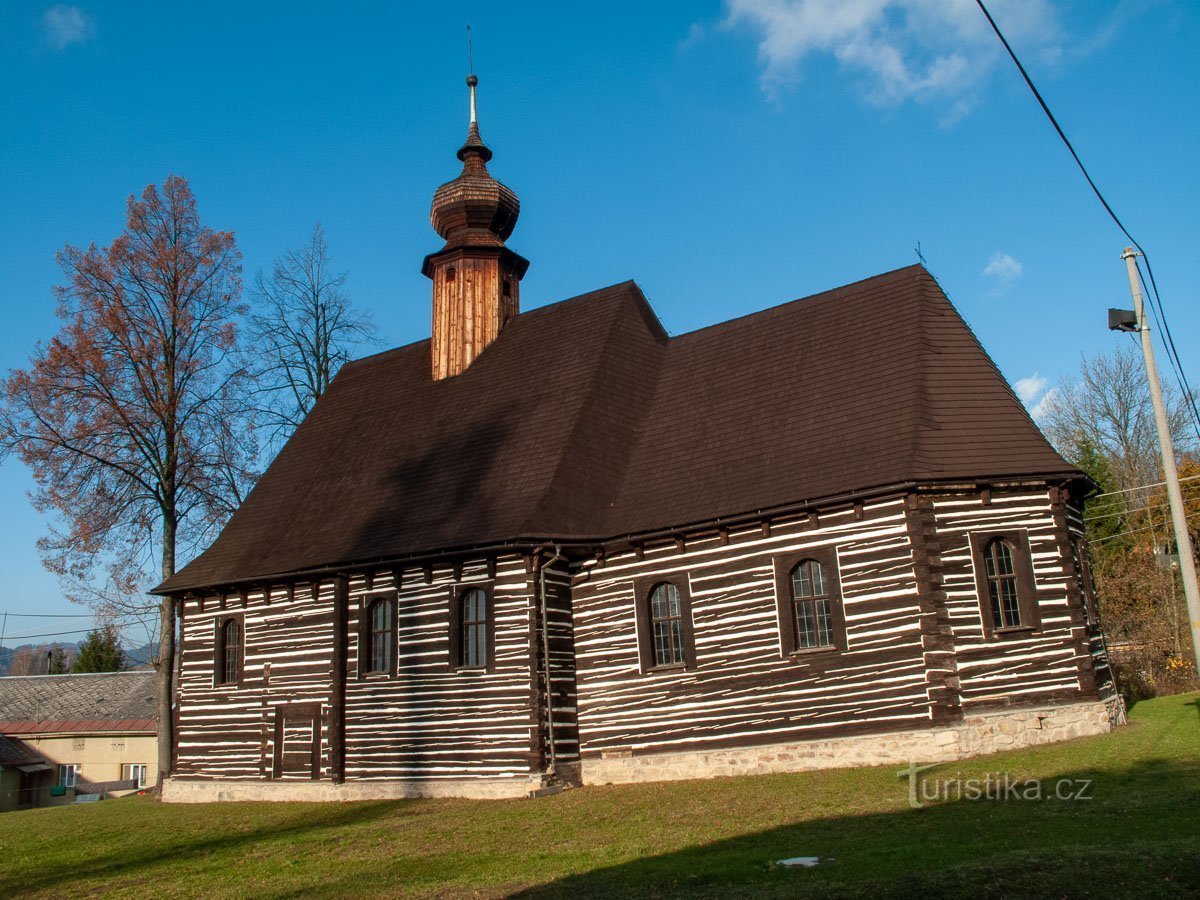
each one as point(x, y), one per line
point(13, 615)
point(1156, 301)
point(1141, 487)
point(13, 637)
point(1109, 537)
point(1189, 397)
point(1109, 515)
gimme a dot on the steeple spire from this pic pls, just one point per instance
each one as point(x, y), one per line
point(476, 278)
point(474, 145)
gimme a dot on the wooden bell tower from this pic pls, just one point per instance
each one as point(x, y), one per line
point(476, 278)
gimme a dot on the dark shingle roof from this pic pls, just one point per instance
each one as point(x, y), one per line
point(14, 752)
point(107, 701)
point(584, 421)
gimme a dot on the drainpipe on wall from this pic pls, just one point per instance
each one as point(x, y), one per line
point(553, 768)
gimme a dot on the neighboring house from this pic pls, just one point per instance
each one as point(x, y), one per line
point(22, 769)
point(75, 736)
point(565, 547)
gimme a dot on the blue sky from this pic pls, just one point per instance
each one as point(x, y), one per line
point(727, 155)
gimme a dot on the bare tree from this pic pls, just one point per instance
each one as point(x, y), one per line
point(1102, 421)
point(303, 329)
point(1107, 407)
point(133, 418)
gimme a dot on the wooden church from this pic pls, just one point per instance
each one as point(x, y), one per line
point(563, 547)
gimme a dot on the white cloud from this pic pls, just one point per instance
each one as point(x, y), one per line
point(1003, 268)
point(1028, 389)
point(1033, 394)
point(65, 25)
point(899, 50)
point(1040, 408)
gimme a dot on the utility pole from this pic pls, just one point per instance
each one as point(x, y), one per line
point(1183, 541)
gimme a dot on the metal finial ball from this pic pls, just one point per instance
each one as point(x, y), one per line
point(472, 81)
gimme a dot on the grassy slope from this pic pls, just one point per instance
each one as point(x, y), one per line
point(1139, 836)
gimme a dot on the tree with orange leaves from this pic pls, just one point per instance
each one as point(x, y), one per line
point(133, 419)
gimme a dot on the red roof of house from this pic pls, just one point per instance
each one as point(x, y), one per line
point(72, 726)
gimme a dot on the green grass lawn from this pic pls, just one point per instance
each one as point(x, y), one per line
point(1139, 835)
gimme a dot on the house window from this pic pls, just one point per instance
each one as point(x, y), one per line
point(474, 621)
point(229, 651)
point(507, 289)
point(68, 775)
point(472, 627)
point(380, 636)
point(134, 772)
point(666, 622)
point(451, 272)
point(1004, 582)
point(808, 602)
point(812, 612)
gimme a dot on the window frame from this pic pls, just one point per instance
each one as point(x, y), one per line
point(1027, 601)
point(219, 655)
point(127, 773)
point(68, 768)
point(366, 633)
point(643, 589)
point(785, 615)
point(458, 593)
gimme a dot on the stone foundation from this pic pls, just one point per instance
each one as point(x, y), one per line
point(975, 735)
point(185, 790)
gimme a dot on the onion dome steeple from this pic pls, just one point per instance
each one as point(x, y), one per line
point(474, 208)
point(475, 276)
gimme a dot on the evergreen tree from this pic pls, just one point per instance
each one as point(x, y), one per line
point(100, 652)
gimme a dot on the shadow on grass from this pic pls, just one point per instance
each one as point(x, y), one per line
point(1135, 835)
point(107, 864)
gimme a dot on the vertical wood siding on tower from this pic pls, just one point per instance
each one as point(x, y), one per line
point(229, 730)
point(469, 311)
point(741, 691)
point(1019, 668)
point(431, 722)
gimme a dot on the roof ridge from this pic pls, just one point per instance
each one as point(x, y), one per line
point(827, 294)
point(79, 674)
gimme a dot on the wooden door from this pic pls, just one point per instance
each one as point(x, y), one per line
point(297, 741)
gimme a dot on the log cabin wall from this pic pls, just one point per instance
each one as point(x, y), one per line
point(1053, 661)
point(228, 730)
point(430, 721)
point(559, 716)
point(1069, 513)
point(743, 689)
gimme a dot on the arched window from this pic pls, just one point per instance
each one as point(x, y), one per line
point(380, 637)
point(812, 613)
point(666, 624)
point(229, 652)
point(474, 621)
point(451, 272)
point(1002, 584)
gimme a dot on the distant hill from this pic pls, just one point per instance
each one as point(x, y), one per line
point(138, 657)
